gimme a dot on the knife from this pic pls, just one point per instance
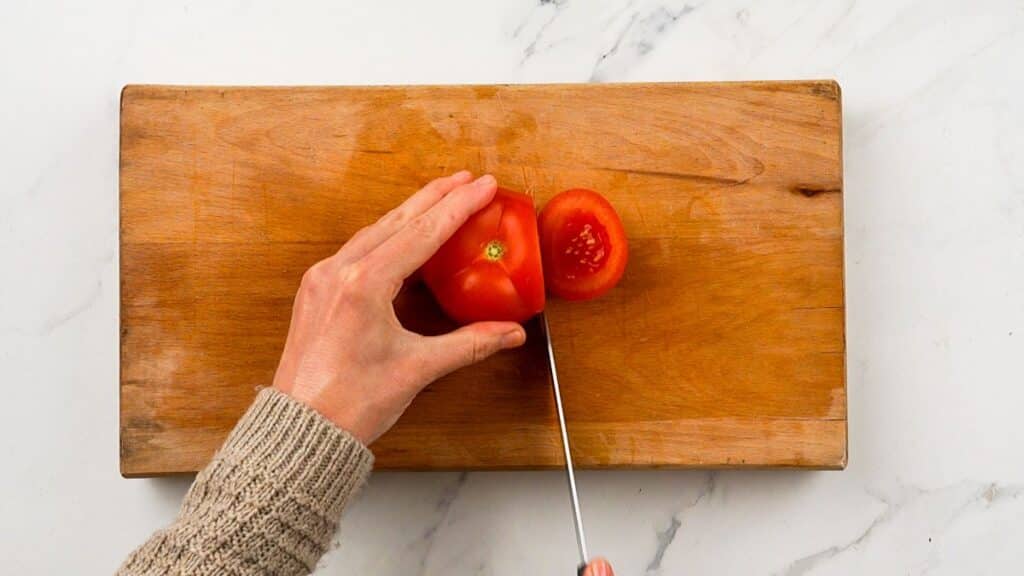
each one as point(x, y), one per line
point(581, 540)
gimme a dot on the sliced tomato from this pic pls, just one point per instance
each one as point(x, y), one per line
point(583, 245)
point(490, 268)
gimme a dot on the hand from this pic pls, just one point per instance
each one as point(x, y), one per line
point(598, 567)
point(347, 356)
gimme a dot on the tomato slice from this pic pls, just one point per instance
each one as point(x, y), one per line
point(583, 245)
point(490, 269)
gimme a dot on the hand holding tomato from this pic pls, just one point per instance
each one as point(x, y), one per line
point(346, 355)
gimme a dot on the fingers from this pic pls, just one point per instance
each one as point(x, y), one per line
point(468, 345)
point(599, 567)
point(407, 250)
point(375, 234)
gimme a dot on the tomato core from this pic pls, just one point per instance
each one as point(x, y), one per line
point(586, 247)
point(494, 250)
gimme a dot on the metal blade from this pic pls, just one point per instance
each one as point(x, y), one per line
point(581, 540)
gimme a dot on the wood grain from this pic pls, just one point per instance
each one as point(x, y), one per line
point(722, 346)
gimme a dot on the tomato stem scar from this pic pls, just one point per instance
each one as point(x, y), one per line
point(494, 250)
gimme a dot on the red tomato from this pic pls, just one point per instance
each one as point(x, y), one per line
point(490, 269)
point(583, 245)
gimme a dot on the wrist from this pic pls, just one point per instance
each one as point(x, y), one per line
point(345, 415)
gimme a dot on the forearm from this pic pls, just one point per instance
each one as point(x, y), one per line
point(270, 500)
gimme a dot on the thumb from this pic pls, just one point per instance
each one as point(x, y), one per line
point(470, 344)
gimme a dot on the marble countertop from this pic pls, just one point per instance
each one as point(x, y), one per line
point(934, 146)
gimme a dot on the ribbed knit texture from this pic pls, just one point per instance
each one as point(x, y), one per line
point(268, 503)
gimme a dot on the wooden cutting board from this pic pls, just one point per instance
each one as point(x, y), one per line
point(722, 346)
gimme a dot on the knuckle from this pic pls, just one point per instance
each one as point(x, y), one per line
point(355, 279)
point(478, 350)
point(357, 237)
point(452, 219)
point(394, 216)
point(315, 278)
point(422, 225)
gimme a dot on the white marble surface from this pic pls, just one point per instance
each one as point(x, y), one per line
point(934, 147)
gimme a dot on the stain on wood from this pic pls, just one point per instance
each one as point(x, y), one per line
point(722, 346)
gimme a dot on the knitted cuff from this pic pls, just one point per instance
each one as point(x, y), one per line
point(301, 449)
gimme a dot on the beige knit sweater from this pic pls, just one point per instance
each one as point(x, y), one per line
point(268, 503)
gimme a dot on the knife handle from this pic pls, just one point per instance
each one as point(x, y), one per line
point(582, 568)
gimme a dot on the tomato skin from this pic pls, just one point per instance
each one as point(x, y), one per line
point(490, 269)
point(583, 245)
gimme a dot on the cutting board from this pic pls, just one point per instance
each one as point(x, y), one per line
point(723, 346)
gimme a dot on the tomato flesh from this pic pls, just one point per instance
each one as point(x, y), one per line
point(583, 244)
point(490, 269)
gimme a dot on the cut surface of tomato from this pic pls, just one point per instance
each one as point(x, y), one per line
point(583, 245)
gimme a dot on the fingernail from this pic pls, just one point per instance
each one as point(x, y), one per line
point(513, 338)
point(485, 180)
point(461, 175)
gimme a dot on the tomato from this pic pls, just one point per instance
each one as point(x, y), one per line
point(490, 268)
point(583, 245)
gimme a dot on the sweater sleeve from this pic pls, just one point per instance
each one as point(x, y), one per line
point(270, 500)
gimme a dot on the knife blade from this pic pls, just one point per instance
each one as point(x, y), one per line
point(581, 539)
